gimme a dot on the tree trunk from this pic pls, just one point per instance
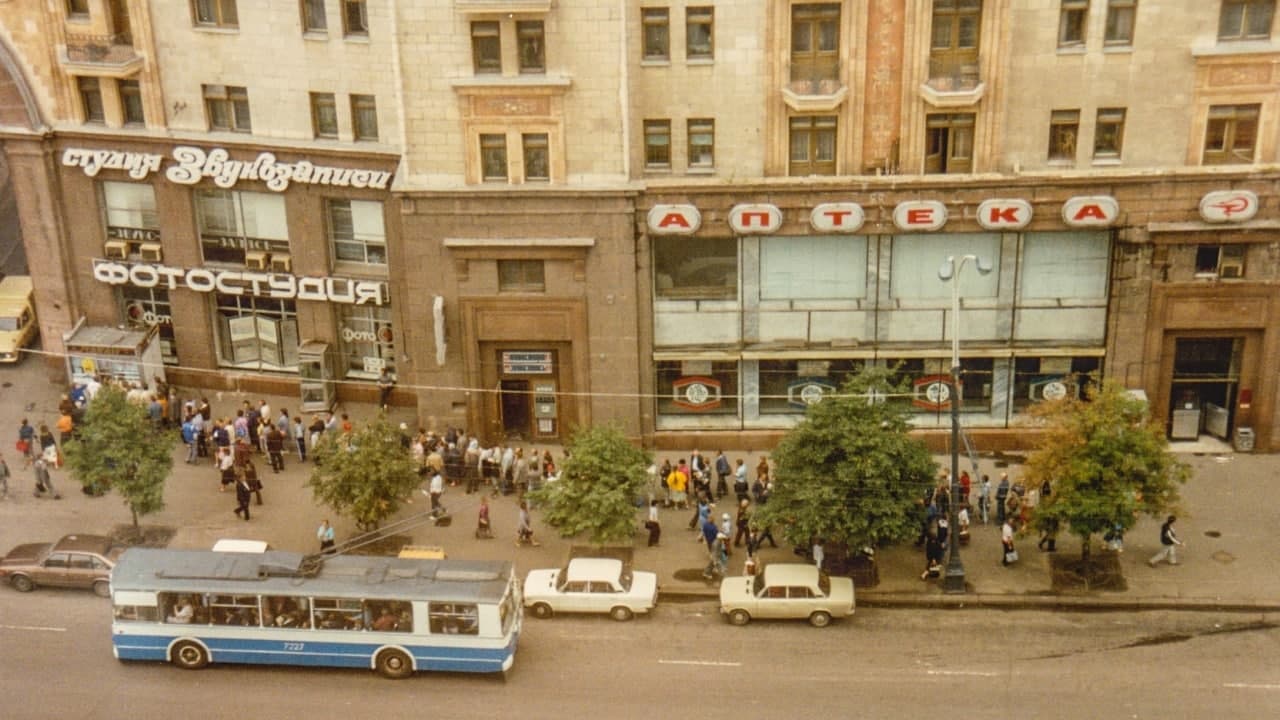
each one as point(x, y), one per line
point(1086, 547)
point(134, 510)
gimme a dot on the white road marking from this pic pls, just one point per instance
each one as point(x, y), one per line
point(32, 627)
point(711, 663)
point(966, 673)
point(1253, 686)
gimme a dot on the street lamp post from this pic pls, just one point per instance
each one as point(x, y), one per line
point(953, 580)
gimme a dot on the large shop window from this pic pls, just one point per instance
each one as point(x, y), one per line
point(368, 342)
point(233, 223)
point(357, 231)
point(923, 376)
point(813, 268)
point(696, 268)
point(790, 386)
point(1064, 265)
point(257, 333)
point(144, 307)
point(131, 213)
point(697, 387)
point(1051, 378)
point(917, 258)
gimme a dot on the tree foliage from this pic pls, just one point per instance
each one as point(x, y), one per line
point(117, 447)
point(364, 475)
point(1107, 461)
point(597, 489)
point(849, 472)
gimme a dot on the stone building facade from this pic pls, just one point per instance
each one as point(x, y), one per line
point(691, 218)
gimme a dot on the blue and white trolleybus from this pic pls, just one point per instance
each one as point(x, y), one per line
point(395, 615)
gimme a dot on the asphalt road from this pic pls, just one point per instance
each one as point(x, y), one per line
point(55, 662)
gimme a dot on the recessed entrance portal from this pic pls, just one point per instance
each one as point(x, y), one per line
point(1206, 377)
point(516, 401)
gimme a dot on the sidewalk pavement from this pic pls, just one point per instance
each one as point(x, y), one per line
point(1228, 527)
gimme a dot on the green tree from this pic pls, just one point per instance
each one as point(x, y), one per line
point(1107, 460)
point(117, 447)
point(849, 472)
point(365, 474)
point(598, 486)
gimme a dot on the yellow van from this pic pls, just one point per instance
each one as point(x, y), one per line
point(18, 326)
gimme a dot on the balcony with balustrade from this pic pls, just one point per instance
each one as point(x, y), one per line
point(111, 56)
point(815, 87)
point(955, 81)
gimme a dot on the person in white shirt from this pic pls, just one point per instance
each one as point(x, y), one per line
point(183, 613)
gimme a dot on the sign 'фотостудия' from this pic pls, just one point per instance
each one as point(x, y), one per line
point(345, 291)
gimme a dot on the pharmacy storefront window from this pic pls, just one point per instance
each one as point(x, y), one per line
point(368, 342)
point(257, 333)
point(791, 386)
point(131, 219)
point(1050, 378)
point(927, 382)
point(697, 387)
point(244, 228)
point(695, 268)
point(144, 307)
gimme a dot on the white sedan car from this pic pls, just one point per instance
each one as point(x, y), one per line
point(787, 590)
point(591, 585)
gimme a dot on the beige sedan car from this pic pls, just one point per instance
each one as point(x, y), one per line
point(76, 561)
point(787, 590)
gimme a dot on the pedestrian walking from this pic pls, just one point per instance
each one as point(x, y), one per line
point(243, 494)
point(4, 478)
point(300, 438)
point(653, 525)
point(1169, 543)
point(484, 528)
point(44, 481)
point(1002, 496)
point(26, 443)
point(819, 552)
point(743, 523)
point(385, 384)
point(740, 487)
point(524, 530)
point(1006, 542)
point(723, 471)
point(435, 490)
point(324, 534)
point(984, 499)
point(275, 448)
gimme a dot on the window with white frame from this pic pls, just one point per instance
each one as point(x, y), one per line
point(313, 16)
point(657, 144)
point(233, 223)
point(131, 213)
point(1121, 15)
point(1245, 19)
point(702, 143)
point(813, 267)
point(699, 33)
point(917, 258)
point(357, 231)
point(257, 333)
point(657, 35)
point(1060, 265)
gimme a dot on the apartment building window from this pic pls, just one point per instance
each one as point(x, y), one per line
point(1231, 134)
point(227, 108)
point(813, 145)
point(1245, 19)
point(949, 143)
point(1073, 20)
point(493, 157)
point(537, 157)
point(131, 102)
point(91, 99)
point(1224, 261)
point(215, 13)
point(324, 115)
point(657, 144)
point(699, 26)
point(1120, 18)
point(521, 276)
point(486, 48)
point(78, 9)
point(357, 231)
point(232, 223)
point(1064, 129)
point(657, 33)
point(313, 16)
point(702, 143)
point(954, 36)
point(355, 18)
point(531, 43)
point(1108, 133)
point(364, 117)
point(815, 42)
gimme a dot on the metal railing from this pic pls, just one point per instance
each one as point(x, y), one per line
point(106, 49)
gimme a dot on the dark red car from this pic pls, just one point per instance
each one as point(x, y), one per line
point(75, 561)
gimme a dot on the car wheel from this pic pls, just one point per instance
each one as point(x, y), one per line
point(189, 655)
point(739, 617)
point(542, 610)
point(102, 588)
point(394, 664)
point(620, 613)
point(22, 583)
point(820, 619)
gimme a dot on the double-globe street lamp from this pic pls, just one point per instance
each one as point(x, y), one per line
point(953, 580)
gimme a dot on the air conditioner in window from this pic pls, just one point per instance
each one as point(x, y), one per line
point(1231, 268)
point(116, 250)
point(256, 260)
point(151, 252)
point(281, 263)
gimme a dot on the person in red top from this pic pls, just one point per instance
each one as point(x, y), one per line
point(965, 483)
